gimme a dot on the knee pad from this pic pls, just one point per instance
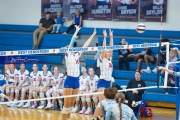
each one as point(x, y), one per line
point(34, 94)
point(55, 95)
point(83, 99)
point(95, 99)
point(88, 100)
point(23, 90)
point(70, 110)
point(12, 90)
point(31, 90)
point(16, 91)
point(41, 95)
point(77, 98)
point(65, 110)
point(47, 93)
point(7, 90)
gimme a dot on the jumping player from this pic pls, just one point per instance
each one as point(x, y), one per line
point(45, 77)
point(71, 84)
point(22, 86)
point(33, 85)
point(11, 82)
point(57, 88)
point(106, 68)
point(83, 88)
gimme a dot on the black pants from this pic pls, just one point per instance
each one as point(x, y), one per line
point(96, 69)
point(169, 84)
point(132, 97)
point(124, 60)
point(71, 27)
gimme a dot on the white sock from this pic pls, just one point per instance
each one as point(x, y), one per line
point(84, 108)
point(133, 102)
point(155, 68)
point(49, 103)
point(148, 68)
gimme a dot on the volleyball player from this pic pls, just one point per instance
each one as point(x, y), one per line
point(33, 85)
point(106, 68)
point(57, 88)
point(4, 96)
point(23, 85)
point(11, 82)
point(93, 80)
point(71, 83)
point(83, 88)
point(45, 77)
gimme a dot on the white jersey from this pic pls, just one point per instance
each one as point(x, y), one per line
point(83, 82)
point(93, 83)
point(34, 77)
point(11, 76)
point(126, 2)
point(56, 80)
point(106, 68)
point(22, 76)
point(158, 2)
point(45, 77)
point(72, 64)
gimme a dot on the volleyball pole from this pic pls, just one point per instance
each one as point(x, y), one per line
point(177, 94)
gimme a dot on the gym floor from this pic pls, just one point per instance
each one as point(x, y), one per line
point(34, 114)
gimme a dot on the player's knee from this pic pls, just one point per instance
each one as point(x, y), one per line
point(31, 91)
point(34, 94)
point(77, 98)
point(17, 91)
point(65, 110)
point(95, 99)
point(2, 90)
point(7, 90)
point(47, 93)
point(83, 99)
point(23, 90)
point(42, 95)
point(12, 90)
point(88, 100)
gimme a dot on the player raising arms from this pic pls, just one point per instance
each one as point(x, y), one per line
point(45, 77)
point(56, 90)
point(71, 84)
point(22, 86)
point(34, 75)
point(11, 82)
point(106, 69)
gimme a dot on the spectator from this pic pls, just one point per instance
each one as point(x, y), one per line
point(120, 111)
point(162, 56)
point(178, 52)
point(76, 21)
point(135, 95)
point(45, 26)
point(123, 54)
point(59, 21)
point(140, 57)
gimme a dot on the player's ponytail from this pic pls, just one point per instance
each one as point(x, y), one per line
point(120, 99)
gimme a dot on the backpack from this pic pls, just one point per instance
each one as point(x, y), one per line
point(146, 112)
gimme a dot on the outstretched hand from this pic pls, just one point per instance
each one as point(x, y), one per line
point(104, 33)
point(110, 33)
point(77, 27)
point(94, 31)
point(160, 68)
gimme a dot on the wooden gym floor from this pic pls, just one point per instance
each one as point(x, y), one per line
point(34, 114)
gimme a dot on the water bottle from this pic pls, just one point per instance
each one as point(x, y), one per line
point(160, 79)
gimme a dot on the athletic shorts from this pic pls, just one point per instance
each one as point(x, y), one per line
point(163, 60)
point(101, 3)
point(10, 83)
point(103, 84)
point(71, 82)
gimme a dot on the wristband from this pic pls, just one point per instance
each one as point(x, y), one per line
point(73, 39)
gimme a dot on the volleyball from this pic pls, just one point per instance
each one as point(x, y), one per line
point(140, 28)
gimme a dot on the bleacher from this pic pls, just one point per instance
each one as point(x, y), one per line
point(20, 37)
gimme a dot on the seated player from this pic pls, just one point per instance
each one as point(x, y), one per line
point(33, 85)
point(92, 80)
point(11, 82)
point(83, 88)
point(155, 59)
point(23, 85)
point(57, 88)
point(140, 57)
point(4, 96)
point(45, 77)
point(135, 95)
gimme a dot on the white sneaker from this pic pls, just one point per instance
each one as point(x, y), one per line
point(41, 106)
point(166, 93)
point(134, 104)
point(89, 111)
point(14, 104)
point(27, 105)
point(9, 105)
point(21, 104)
point(147, 71)
point(76, 109)
point(77, 37)
point(52, 32)
point(60, 105)
point(64, 33)
point(49, 106)
point(57, 31)
point(155, 70)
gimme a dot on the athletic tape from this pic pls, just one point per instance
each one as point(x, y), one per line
point(76, 49)
point(88, 94)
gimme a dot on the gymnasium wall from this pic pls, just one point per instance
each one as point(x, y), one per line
point(28, 12)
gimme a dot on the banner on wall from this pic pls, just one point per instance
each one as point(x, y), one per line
point(125, 10)
point(99, 10)
point(52, 6)
point(151, 10)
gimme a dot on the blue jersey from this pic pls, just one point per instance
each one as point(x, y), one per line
point(59, 20)
point(77, 19)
